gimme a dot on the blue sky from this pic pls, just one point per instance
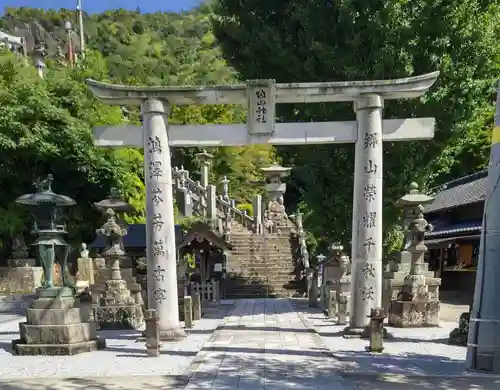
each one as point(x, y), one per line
point(92, 6)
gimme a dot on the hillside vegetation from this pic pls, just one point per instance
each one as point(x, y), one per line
point(46, 124)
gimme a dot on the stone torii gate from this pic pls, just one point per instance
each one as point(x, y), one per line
point(368, 132)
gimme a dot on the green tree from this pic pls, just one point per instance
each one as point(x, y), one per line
point(45, 127)
point(304, 41)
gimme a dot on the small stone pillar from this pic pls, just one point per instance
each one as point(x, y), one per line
point(414, 305)
point(257, 213)
point(343, 308)
point(188, 312)
point(152, 333)
point(376, 330)
point(117, 309)
point(196, 302)
point(314, 285)
point(212, 205)
point(332, 303)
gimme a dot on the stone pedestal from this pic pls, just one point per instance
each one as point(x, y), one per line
point(20, 280)
point(394, 279)
point(408, 314)
point(58, 323)
point(117, 308)
point(102, 272)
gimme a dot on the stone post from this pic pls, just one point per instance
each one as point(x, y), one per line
point(152, 333)
point(257, 213)
point(211, 203)
point(376, 330)
point(225, 188)
point(342, 310)
point(313, 288)
point(332, 303)
point(205, 160)
point(196, 302)
point(188, 312)
point(160, 231)
point(367, 236)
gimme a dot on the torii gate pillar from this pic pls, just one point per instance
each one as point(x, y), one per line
point(368, 132)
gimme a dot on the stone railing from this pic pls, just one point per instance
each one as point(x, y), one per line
point(195, 199)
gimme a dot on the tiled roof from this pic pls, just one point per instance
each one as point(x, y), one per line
point(447, 229)
point(135, 238)
point(459, 192)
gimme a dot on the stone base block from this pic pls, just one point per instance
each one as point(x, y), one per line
point(172, 334)
point(70, 316)
point(19, 347)
point(57, 334)
point(407, 314)
point(119, 316)
point(356, 333)
point(363, 333)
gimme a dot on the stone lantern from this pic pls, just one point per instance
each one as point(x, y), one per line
point(400, 264)
point(117, 308)
point(115, 203)
point(119, 206)
point(275, 215)
point(274, 187)
point(58, 322)
point(108, 261)
point(45, 208)
point(415, 305)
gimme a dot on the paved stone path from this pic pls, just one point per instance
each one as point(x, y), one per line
point(263, 344)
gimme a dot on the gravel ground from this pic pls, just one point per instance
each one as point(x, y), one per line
point(123, 356)
point(411, 351)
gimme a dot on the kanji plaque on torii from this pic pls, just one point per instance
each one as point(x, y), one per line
point(260, 96)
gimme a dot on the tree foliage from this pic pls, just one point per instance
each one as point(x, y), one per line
point(304, 41)
point(46, 124)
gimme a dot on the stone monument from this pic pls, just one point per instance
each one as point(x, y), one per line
point(58, 322)
point(400, 264)
point(21, 276)
point(117, 309)
point(415, 306)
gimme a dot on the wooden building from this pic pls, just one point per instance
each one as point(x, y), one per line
point(453, 246)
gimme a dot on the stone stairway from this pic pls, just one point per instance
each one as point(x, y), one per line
point(261, 264)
